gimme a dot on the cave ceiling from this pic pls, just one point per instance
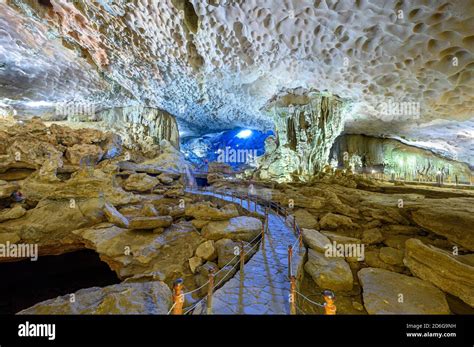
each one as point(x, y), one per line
point(215, 64)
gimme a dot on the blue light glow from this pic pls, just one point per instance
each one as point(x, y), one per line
point(243, 134)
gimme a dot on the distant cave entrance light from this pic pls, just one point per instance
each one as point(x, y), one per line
point(243, 134)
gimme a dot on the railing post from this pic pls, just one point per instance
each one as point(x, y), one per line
point(178, 297)
point(210, 291)
point(294, 223)
point(263, 233)
point(242, 256)
point(290, 256)
point(292, 295)
point(300, 239)
point(329, 306)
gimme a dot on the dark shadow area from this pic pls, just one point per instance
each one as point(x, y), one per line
point(26, 283)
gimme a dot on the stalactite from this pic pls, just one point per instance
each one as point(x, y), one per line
point(306, 124)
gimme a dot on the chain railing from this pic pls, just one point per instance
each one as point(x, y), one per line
point(267, 206)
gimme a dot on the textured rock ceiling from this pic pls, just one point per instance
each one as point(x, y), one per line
point(214, 64)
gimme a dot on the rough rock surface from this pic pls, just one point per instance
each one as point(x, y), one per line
point(115, 217)
point(130, 253)
point(329, 272)
point(441, 268)
point(51, 223)
point(205, 211)
point(152, 297)
point(315, 240)
point(454, 223)
point(335, 221)
point(84, 154)
point(292, 43)
point(206, 250)
point(140, 182)
point(306, 219)
point(150, 222)
point(237, 228)
point(12, 213)
point(386, 292)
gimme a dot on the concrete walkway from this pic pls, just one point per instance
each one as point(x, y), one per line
point(263, 286)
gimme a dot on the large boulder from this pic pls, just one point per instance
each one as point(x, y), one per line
point(386, 292)
point(130, 252)
point(114, 216)
point(84, 154)
point(336, 221)
point(15, 212)
point(450, 273)
point(51, 222)
point(391, 256)
point(81, 185)
point(315, 240)
point(372, 236)
point(329, 272)
point(237, 228)
point(143, 223)
point(140, 182)
point(304, 219)
point(153, 297)
point(206, 250)
point(205, 211)
point(6, 189)
point(452, 218)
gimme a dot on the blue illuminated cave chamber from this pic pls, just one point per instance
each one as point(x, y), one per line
point(236, 148)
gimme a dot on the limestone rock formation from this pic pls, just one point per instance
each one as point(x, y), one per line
point(130, 253)
point(115, 217)
point(454, 223)
point(441, 268)
point(141, 128)
point(306, 124)
point(155, 222)
point(329, 272)
point(140, 182)
point(13, 213)
point(391, 156)
point(304, 219)
point(335, 221)
point(315, 240)
point(386, 292)
point(207, 251)
point(51, 223)
point(237, 228)
point(205, 211)
point(152, 297)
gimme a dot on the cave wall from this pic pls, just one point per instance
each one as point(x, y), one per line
point(306, 125)
point(141, 128)
point(366, 153)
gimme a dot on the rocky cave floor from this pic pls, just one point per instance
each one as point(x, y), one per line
point(81, 190)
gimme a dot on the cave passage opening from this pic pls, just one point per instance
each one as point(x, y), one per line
point(25, 283)
point(235, 149)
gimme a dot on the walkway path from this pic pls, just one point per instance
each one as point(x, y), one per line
point(263, 286)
